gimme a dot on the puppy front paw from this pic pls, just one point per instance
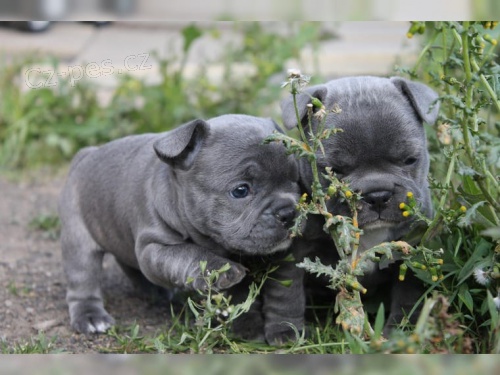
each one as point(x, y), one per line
point(281, 334)
point(89, 319)
point(225, 280)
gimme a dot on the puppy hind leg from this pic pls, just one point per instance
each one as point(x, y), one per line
point(144, 286)
point(82, 261)
point(250, 325)
point(404, 296)
point(284, 305)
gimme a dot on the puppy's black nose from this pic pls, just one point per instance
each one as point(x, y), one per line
point(286, 216)
point(377, 199)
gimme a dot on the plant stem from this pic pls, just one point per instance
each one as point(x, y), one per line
point(442, 201)
point(425, 49)
point(473, 121)
point(486, 84)
point(299, 120)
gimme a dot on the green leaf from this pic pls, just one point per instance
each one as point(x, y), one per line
point(190, 34)
point(286, 283)
point(477, 259)
point(203, 266)
point(379, 322)
point(465, 296)
point(493, 311)
point(226, 267)
point(494, 233)
point(469, 186)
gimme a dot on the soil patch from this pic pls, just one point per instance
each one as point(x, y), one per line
point(32, 283)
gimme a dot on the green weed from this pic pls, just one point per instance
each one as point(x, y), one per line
point(39, 344)
point(50, 225)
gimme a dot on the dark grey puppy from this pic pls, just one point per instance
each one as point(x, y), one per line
point(161, 203)
point(382, 153)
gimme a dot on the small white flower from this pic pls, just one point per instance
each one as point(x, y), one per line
point(225, 314)
point(218, 311)
point(230, 309)
point(293, 73)
point(481, 276)
point(296, 80)
point(497, 302)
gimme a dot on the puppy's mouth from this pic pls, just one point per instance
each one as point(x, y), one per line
point(378, 224)
point(275, 247)
point(280, 246)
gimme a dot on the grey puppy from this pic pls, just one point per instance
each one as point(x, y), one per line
point(161, 203)
point(382, 153)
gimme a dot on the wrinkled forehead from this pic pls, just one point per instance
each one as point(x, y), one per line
point(385, 126)
point(246, 158)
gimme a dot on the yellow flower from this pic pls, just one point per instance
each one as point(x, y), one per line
point(463, 208)
point(406, 213)
point(348, 194)
point(409, 194)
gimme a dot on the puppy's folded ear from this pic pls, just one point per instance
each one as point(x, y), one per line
point(303, 99)
point(180, 146)
point(422, 98)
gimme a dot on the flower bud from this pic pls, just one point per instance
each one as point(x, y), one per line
point(303, 198)
point(433, 272)
point(402, 271)
point(419, 265)
point(316, 102)
point(489, 39)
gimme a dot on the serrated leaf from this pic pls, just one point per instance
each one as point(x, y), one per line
point(316, 267)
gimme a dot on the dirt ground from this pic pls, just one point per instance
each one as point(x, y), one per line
point(32, 284)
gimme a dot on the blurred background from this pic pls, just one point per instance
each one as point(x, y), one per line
point(78, 83)
point(313, 10)
point(80, 73)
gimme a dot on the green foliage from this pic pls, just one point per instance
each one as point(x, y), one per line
point(48, 125)
point(459, 60)
point(39, 344)
point(50, 225)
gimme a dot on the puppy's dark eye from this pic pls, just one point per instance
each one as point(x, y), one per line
point(240, 191)
point(411, 160)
